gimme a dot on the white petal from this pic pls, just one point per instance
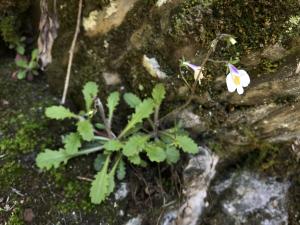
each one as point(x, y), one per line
point(199, 76)
point(245, 79)
point(240, 90)
point(230, 84)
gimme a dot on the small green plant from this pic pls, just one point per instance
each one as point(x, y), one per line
point(136, 143)
point(26, 68)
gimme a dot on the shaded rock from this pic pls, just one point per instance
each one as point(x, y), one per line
point(100, 22)
point(111, 78)
point(28, 215)
point(198, 173)
point(191, 120)
point(274, 52)
point(122, 191)
point(135, 221)
point(247, 198)
point(153, 68)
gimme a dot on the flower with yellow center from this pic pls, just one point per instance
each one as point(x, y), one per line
point(237, 79)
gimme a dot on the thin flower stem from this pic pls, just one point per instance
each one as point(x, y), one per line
point(193, 89)
point(185, 81)
point(71, 52)
point(218, 61)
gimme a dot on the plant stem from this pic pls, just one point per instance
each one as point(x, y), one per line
point(105, 121)
point(87, 151)
point(156, 120)
point(193, 88)
point(71, 52)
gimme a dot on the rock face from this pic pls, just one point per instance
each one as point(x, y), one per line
point(247, 198)
point(100, 22)
point(198, 174)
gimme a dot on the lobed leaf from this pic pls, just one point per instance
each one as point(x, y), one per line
point(34, 54)
point(59, 113)
point(135, 145)
point(111, 178)
point(142, 111)
point(90, 91)
point(158, 94)
point(99, 162)
point(49, 158)
point(113, 145)
point(20, 49)
point(187, 144)
point(112, 102)
point(100, 185)
point(155, 153)
point(135, 159)
point(72, 143)
point(132, 100)
point(172, 155)
point(22, 63)
point(121, 171)
point(86, 130)
point(21, 74)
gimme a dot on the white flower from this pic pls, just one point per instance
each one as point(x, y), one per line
point(237, 79)
point(196, 69)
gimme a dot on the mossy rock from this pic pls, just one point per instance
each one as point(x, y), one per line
point(14, 21)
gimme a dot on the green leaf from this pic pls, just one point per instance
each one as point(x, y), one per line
point(142, 111)
point(99, 162)
point(155, 153)
point(132, 100)
point(34, 54)
point(32, 65)
point(113, 145)
point(22, 63)
point(49, 158)
point(111, 178)
point(112, 102)
point(86, 130)
point(20, 49)
point(172, 154)
point(100, 126)
point(90, 91)
point(21, 74)
point(99, 188)
point(72, 143)
point(59, 113)
point(121, 171)
point(158, 94)
point(187, 144)
point(135, 159)
point(111, 182)
point(134, 145)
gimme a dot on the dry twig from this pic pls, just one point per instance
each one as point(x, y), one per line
point(71, 52)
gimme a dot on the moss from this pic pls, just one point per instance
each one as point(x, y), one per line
point(15, 218)
point(10, 174)
point(285, 99)
point(26, 139)
point(254, 23)
point(269, 66)
point(8, 30)
point(11, 19)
